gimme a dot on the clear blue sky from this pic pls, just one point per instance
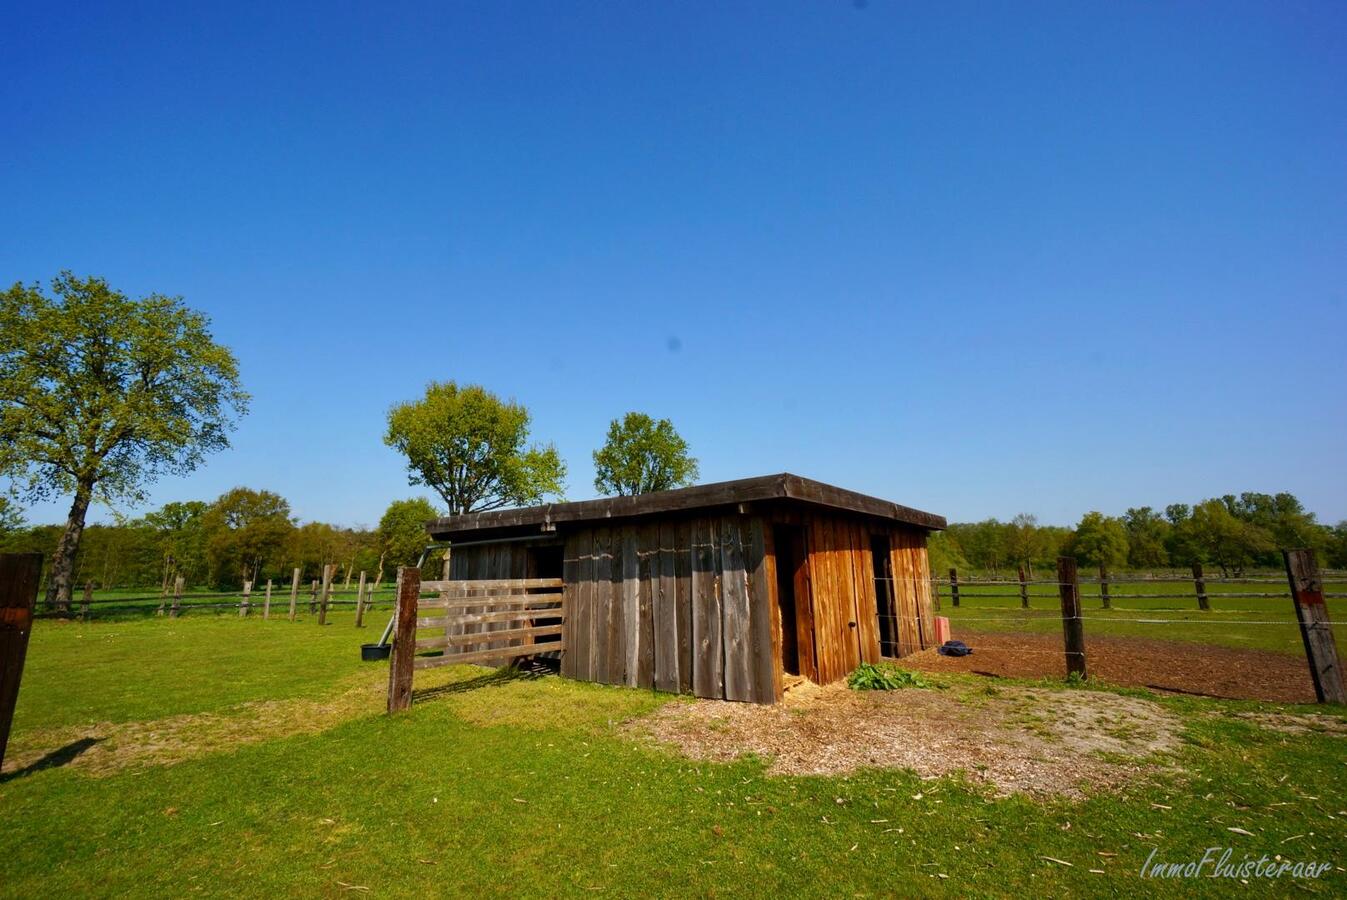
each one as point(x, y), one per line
point(981, 259)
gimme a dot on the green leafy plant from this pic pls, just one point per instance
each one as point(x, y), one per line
point(871, 677)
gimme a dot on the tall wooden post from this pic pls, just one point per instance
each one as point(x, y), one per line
point(294, 592)
point(178, 584)
point(954, 586)
point(1103, 587)
point(1073, 629)
point(245, 604)
point(360, 601)
point(329, 571)
point(1024, 590)
point(1316, 630)
point(404, 640)
point(19, 575)
point(1201, 587)
point(266, 605)
point(85, 604)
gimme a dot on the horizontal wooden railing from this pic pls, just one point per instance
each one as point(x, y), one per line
point(489, 620)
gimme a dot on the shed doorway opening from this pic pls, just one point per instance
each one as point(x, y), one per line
point(792, 598)
point(886, 609)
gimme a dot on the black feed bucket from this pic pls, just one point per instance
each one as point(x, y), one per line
point(374, 652)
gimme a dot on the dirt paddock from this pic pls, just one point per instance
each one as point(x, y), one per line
point(1173, 666)
point(1016, 739)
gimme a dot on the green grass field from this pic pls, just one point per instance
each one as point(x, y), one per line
point(251, 758)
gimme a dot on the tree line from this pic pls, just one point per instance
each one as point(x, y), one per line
point(1233, 533)
point(243, 535)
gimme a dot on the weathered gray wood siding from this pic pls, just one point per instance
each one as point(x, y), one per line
point(683, 605)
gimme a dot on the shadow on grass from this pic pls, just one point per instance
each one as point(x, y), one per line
point(53, 760)
point(528, 672)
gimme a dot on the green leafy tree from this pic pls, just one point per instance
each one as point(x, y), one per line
point(244, 530)
point(642, 455)
point(402, 532)
point(100, 394)
point(1335, 553)
point(11, 517)
point(1219, 536)
point(1283, 517)
point(1100, 540)
point(182, 543)
point(1147, 533)
point(472, 448)
point(1022, 541)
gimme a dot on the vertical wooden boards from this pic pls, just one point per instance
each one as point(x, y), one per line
point(633, 643)
point(570, 593)
point(912, 580)
point(867, 601)
point(764, 654)
point(601, 584)
point(735, 612)
point(904, 592)
point(803, 583)
point(683, 602)
point(618, 629)
point(708, 663)
point(647, 571)
point(921, 583)
point(666, 612)
point(19, 576)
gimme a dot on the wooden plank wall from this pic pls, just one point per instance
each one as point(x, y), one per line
point(678, 605)
point(912, 586)
point(843, 600)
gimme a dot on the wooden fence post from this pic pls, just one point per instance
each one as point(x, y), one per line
point(294, 593)
point(19, 575)
point(313, 597)
point(177, 597)
point(1316, 630)
point(1103, 587)
point(954, 586)
point(360, 602)
point(266, 606)
point(1024, 591)
point(329, 571)
point(1073, 629)
point(404, 640)
point(85, 606)
point(245, 603)
point(1201, 587)
point(935, 591)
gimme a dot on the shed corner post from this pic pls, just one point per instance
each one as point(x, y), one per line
point(404, 640)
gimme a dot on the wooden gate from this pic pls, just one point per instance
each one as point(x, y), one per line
point(488, 621)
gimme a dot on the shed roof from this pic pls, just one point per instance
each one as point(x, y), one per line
point(780, 488)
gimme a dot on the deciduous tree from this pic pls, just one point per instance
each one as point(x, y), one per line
point(245, 529)
point(642, 455)
point(100, 394)
point(473, 449)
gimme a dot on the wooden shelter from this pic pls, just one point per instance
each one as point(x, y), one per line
point(721, 590)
